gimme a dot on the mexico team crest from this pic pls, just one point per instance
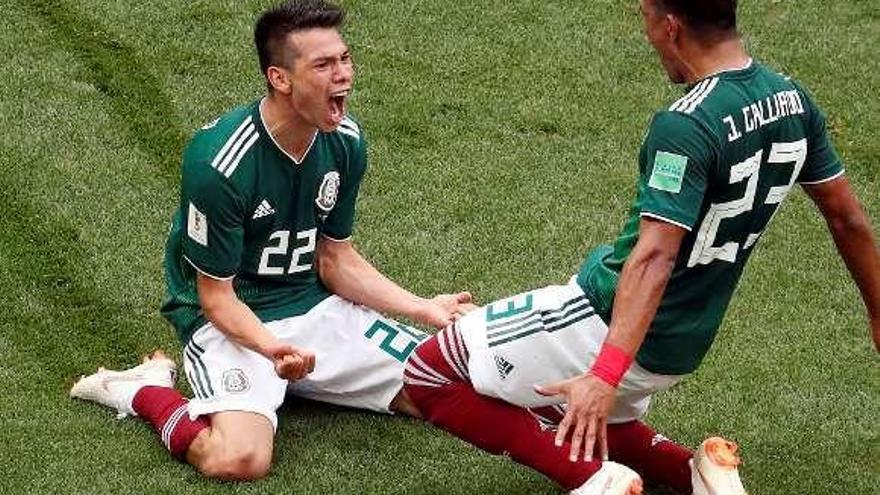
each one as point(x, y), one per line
point(235, 381)
point(328, 191)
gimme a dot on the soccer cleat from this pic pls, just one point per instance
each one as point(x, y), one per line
point(714, 468)
point(116, 389)
point(612, 479)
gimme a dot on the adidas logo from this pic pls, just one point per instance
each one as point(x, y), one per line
point(503, 365)
point(264, 210)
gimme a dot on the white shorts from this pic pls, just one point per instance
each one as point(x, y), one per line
point(359, 360)
point(544, 336)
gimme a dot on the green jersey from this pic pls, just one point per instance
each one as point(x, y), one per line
point(718, 162)
point(252, 213)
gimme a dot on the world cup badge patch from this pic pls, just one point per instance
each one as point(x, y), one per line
point(328, 192)
point(235, 381)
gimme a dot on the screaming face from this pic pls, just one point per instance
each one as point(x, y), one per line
point(321, 77)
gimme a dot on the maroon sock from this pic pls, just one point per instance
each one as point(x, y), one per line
point(167, 410)
point(659, 460)
point(434, 383)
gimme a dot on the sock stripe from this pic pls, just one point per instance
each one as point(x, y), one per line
point(412, 381)
point(417, 374)
point(454, 352)
point(168, 413)
point(458, 342)
point(416, 363)
point(171, 424)
point(441, 340)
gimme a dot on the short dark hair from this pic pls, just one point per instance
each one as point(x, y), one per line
point(708, 19)
point(275, 24)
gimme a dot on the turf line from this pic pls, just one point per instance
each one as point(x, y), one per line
point(138, 101)
point(47, 250)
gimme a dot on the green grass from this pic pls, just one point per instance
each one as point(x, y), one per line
point(503, 137)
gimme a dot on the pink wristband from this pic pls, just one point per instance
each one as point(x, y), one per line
point(611, 364)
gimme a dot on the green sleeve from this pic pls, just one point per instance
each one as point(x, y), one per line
point(822, 162)
point(674, 164)
point(212, 221)
point(340, 222)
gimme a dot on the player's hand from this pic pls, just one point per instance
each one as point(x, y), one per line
point(443, 309)
point(589, 402)
point(291, 362)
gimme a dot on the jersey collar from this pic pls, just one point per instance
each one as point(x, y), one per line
point(745, 66)
point(285, 153)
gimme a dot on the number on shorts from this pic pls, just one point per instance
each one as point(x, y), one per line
point(391, 333)
point(511, 309)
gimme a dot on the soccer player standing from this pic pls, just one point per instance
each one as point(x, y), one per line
point(264, 287)
point(640, 315)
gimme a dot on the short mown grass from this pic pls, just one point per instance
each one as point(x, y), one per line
point(503, 140)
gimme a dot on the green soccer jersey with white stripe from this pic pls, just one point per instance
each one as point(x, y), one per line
point(252, 213)
point(718, 162)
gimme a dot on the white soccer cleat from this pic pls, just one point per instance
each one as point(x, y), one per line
point(116, 389)
point(612, 479)
point(714, 468)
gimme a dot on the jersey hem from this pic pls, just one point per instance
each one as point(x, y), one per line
point(664, 219)
point(660, 370)
point(186, 333)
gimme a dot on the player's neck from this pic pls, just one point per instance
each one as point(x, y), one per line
point(724, 56)
point(293, 135)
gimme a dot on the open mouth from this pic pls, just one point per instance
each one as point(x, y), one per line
point(336, 104)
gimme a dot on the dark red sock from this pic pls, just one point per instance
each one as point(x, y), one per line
point(495, 426)
point(659, 460)
point(166, 409)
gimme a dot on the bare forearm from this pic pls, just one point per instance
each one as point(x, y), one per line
point(639, 291)
point(858, 247)
point(239, 323)
point(854, 237)
point(358, 281)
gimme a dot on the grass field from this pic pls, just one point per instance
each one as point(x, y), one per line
point(503, 137)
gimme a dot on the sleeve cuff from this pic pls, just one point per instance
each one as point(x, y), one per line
point(665, 219)
point(331, 238)
point(821, 181)
point(207, 274)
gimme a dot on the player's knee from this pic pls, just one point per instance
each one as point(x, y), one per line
point(244, 464)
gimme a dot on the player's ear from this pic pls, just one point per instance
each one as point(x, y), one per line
point(673, 27)
point(278, 79)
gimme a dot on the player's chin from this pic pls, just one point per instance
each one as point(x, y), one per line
point(329, 123)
